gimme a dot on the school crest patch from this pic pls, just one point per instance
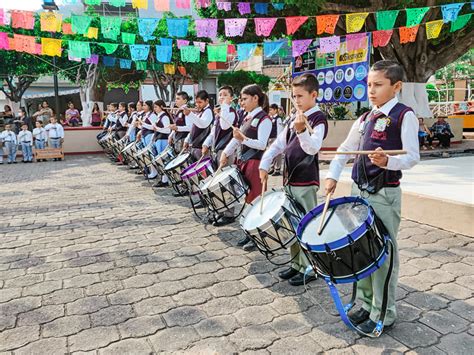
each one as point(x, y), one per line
point(381, 124)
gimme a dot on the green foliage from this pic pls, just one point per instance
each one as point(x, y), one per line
point(238, 79)
point(340, 113)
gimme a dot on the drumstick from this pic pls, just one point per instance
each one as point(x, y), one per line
point(366, 152)
point(264, 187)
point(325, 210)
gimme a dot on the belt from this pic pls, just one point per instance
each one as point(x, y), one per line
point(40, 140)
point(26, 142)
point(54, 137)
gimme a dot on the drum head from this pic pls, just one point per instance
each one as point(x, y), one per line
point(345, 219)
point(221, 177)
point(177, 161)
point(272, 203)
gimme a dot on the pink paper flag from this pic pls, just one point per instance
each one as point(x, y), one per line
point(329, 44)
point(39, 48)
point(206, 28)
point(182, 42)
point(25, 43)
point(162, 5)
point(356, 41)
point(294, 22)
point(381, 38)
point(235, 26)
point(201, 45)
point(203, 3)
point(224, 5)
point(2, 17)
point(183, 4)
point(264, 26)
point(23, 19)
point(300, 46)
point(4, 44)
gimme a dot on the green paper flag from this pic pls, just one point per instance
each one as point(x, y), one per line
point(156, 66)
point(79, 49)
point(415, 15)
point(140, 65)
point(386, 19)
point(217, 53)
point(92, 2)
point(117, 3)
point(109, 47)
point(128, 38)
point(80, 24)
point(110, 26)
point(190, 54)
point(460, 22)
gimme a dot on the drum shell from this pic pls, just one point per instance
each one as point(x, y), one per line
point(164, 157)
point(194, 178)
point(174, 173)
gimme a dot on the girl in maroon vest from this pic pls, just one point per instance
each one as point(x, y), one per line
point(253, 139)
point(182, 125)
point(221, 134)
point(301, 172)
point(390, 125)
point(162, 131)
point(202, 123)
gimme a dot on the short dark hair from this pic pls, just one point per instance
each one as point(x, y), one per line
point(184, 95)
point(228, 88)
point(123, 104)
point(114, 104)
point(274, 106)
point(202, 95)
point(307, 81)
point(391, 69)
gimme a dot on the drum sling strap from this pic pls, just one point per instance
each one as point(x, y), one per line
point(344, 309)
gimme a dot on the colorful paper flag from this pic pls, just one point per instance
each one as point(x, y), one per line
point(224, 5)
point(271, 48)
point(433, 29)
point(139, 51)
point(51, 47)
point(356, 41)
point(23, 19)
point(164, 53)
point(50, 21)
point(110, 27)
point(408, 34)
point(79, 49)
point(415, 15)
point(244, 8)
point(92, 2)
point(201, 45)
point(326, 24)
point(80, 24)
point(128, 38)
point(93, 59)
point(181, 43)
point(386, 19)
point(92, 32)
point(300, 46)
point(4, 44)
point(169, 69)
point(203, 3)
point(125, 63)
point(146, 27)
point(235, 26)
point(293, 23)
point(162, 5)
point(166, 41)
point(245, 50)
point(109, 61)
point(329, 44)
point(109, 47)
point(278, 5)
point(67, 29)
point(460, 22)
point(206, 28)
point(355, 22)
point(183, 4)
point(381, 38)
point(190, 54)
point(24, 43)
point(141, 65)
point(177, 27)
point(451, 11)
point(217, 53)
point(261, 8)
point(117, 3)
point(264, 26)
point(140, 4)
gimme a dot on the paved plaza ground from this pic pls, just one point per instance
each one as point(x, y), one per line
point(91, 260)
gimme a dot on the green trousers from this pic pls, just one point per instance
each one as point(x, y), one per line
point(387, 206)
point(306, 196)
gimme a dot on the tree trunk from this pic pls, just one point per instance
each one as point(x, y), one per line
point(91, 92)
point(14, 87)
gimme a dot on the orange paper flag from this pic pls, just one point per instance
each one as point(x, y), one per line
point(293, 23)
point(25, 44)
point(408, 34)
point(23, 19)
point(326, 23)
point(67, 29)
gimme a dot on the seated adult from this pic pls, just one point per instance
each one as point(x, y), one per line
point(440, 130)
point(73, 116)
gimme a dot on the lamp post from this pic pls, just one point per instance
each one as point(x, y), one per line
point(51, 6)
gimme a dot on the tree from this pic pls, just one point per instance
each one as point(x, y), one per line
point(240, 78)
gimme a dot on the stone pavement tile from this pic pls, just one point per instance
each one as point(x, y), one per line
point(255, 315)
point(103, 288)
point(127, 346)
point(253, 337)
point(15, 338)
point(227, 289)
point(466, 281)
point(63, 296)
point(221, 306)
point(457, 343)
point(44, 346)
point(9, 294)
point(295, 345)
point(215, 346)
point(66, 326)
point(216, 326)
point(112, 315)
point(414, 335)
point(378, 346)
point(444, 321)
point(128, 296)
point(464, 308)
point(93, 339)
point(427, 300)
point(154, 305)
point(183, 316)
point(41, 315)
point(166, 288)
point(291, 325)
point(452, 291)
point(192, 297)
point(141, 326)
point(333, 336)
point(173, 339)
point(20, 305)
point(87, 305)
point(430, 350)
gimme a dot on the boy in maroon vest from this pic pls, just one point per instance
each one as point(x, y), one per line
point(389, 126)
point(301, 172)
point(182, 125)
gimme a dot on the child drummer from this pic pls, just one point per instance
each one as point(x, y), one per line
point(390, 125)
point(301, 171)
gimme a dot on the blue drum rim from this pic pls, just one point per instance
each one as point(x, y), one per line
point(344, 241)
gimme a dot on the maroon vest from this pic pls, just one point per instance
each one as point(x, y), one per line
point(118, 124)
point(180, 120)
point(223, 137)
point(302, 169)
point(198, 135)
point(274, 132)
point(251, 132)
point(159, 123)
point(385, 135)
point(146, 131)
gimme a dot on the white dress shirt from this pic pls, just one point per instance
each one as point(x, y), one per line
point(279, 123)
point(39, 134)
point(310, 143)
point(264, 130)
point(131, 126)
point(151, 118)
point(165, 120)
point(227, 118)
point(409, 136)
point(24, 137)
point(8, 136)
point(55, 130)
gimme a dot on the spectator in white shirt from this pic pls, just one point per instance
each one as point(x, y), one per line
point(25, 139)
point(9, 139)
point(55, 134)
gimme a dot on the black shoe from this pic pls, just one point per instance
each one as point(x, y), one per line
point(161, 184)
point(250, 246)
point(222, 221)
point(276, 173)
point(14, 162)
point(359, 316)
point(301, 279)
point(9, 162)
point(369, 326)
point(288, 273)
point(243, 241)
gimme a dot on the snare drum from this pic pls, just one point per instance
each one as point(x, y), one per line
point(175, 167)
point(351, 245)
point(162, 159)
point(143, 155)
point(275, 227)
point(195, 173)
point(224, 190)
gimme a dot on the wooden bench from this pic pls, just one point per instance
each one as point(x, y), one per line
point(48, 153)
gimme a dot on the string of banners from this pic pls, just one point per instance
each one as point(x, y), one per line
point(244, 8)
